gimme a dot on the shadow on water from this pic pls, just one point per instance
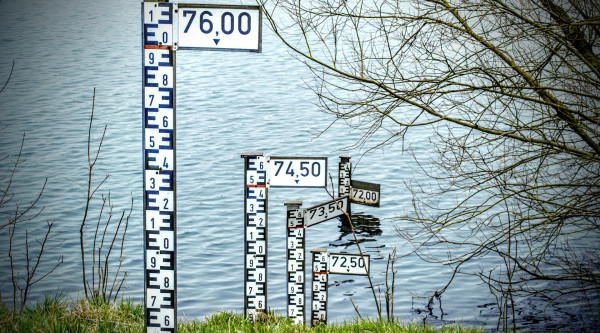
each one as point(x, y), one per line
point(534, 313)
point(429, 307)
point(366, 227)
point(368, 232)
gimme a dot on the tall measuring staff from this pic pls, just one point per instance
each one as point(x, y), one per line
point(255, 234)
point(295, 260)
point(166, 28)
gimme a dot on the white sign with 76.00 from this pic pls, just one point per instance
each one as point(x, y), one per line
point(223, 27)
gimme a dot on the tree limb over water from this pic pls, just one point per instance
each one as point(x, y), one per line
point(509, 92)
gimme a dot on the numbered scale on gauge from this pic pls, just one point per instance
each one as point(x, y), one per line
point(157, 24)
point(344, 175)
point(255, 229)
point(295, 260)
point(344, 178)
point(222, 27)
point(158, 84)
point(325, 263)
point(319, 287)
point(167, 27)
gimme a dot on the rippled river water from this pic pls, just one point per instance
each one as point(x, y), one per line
point(227, 103)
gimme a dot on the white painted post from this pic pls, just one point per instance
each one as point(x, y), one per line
point(165, 28)
point(344, 182)
point(295, 260)
point(319, 286)
point(255, 234)
point(160, 227)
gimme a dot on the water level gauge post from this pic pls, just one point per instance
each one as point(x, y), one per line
point(344, 180)
point(319, 287)
point(166, 28)
point(295, 260)
point(158, 142)
point(255, 234)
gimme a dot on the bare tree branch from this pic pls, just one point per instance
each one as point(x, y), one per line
point(508, 93)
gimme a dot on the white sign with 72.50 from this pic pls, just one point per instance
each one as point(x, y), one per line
point(347, 263)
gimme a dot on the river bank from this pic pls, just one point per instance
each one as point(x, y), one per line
point(57, 314)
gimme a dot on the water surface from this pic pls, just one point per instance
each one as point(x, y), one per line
point(227, 103)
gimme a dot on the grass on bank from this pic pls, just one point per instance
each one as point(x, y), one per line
point(54, 314)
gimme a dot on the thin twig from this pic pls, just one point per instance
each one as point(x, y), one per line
point(377, 305)
point(393, 283)
point(9, 76)
point(19, 216)
point(88, 199)
point(387, 289)
point(121, 255)
point(94, 243)
point(99, 291)
point(12, 174)
point(90, 192)
point(103, 271)
point(356, 309)
point(11, 231)
point(31, 274)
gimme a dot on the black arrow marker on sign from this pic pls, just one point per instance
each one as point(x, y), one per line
point(217, 40)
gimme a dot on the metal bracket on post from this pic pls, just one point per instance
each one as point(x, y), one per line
point(344, 183)
point(319, 286)
point(295, 260)
point(255, 234)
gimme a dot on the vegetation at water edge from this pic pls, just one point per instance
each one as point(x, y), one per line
point(55, 314)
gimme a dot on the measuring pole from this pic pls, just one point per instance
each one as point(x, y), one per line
point(255, 234)
point(158, 85)
point(325, 263)
point(167, 27)
point(295, 260)
point(319, 287)
point(344, 182)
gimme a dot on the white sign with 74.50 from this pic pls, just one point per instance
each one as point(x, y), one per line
point(288, 171)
